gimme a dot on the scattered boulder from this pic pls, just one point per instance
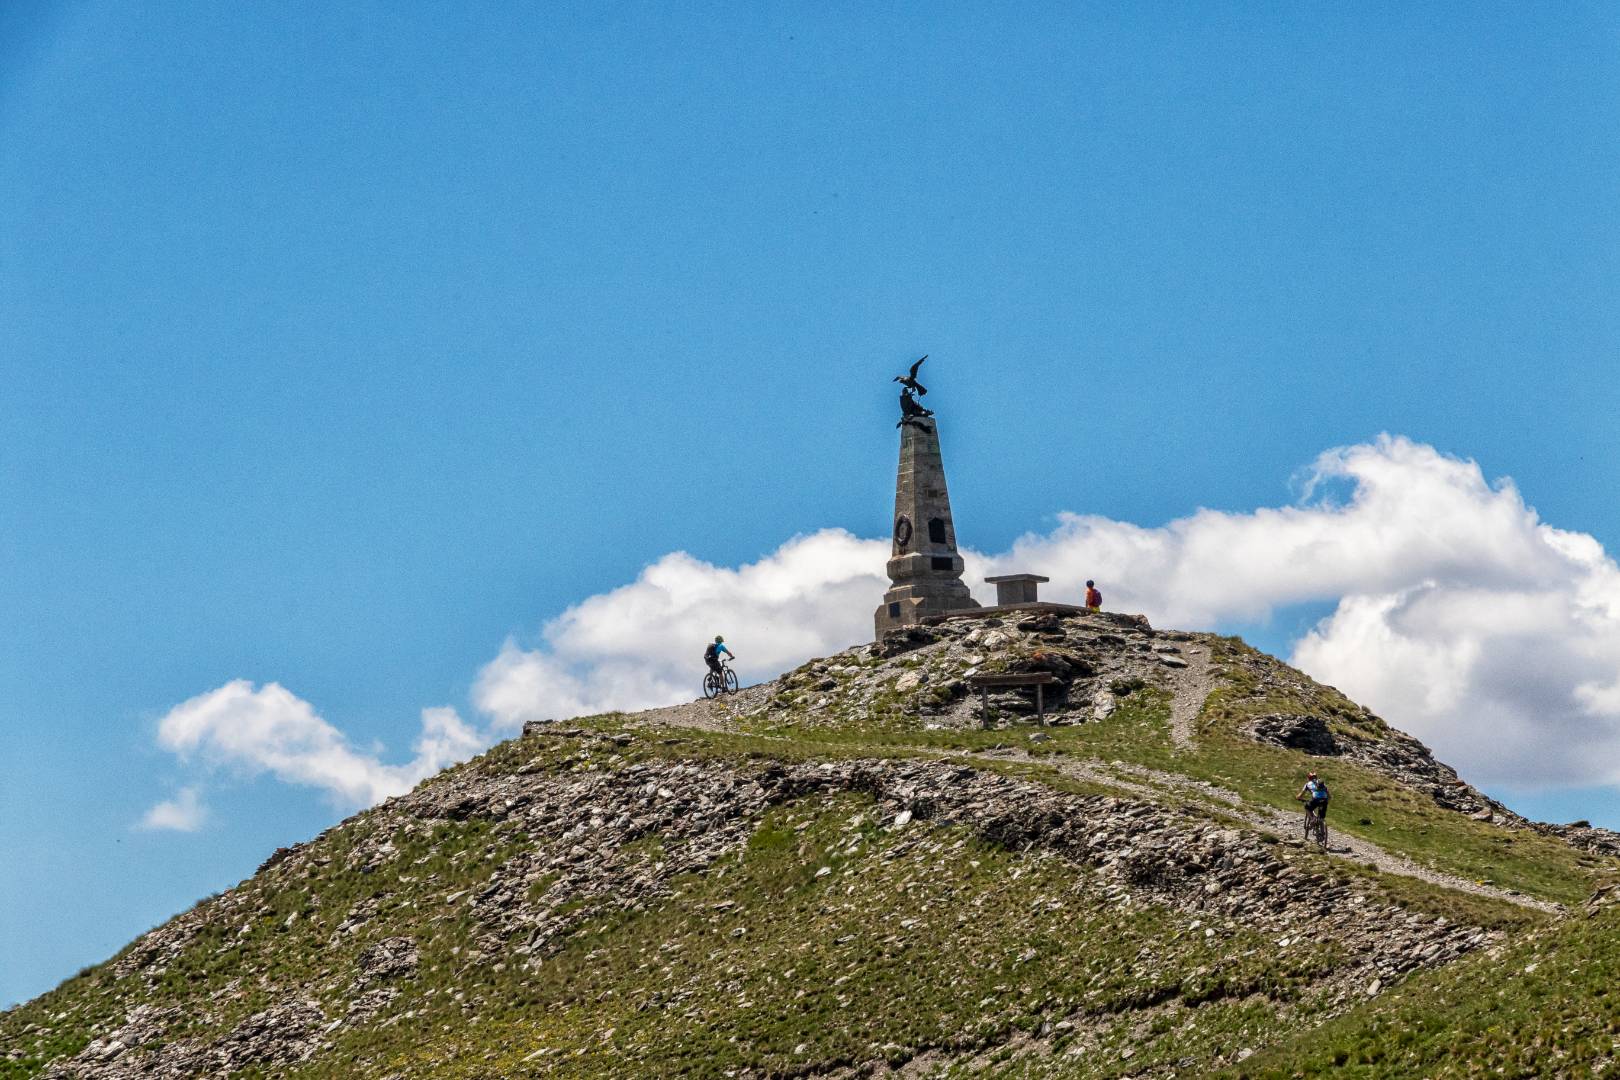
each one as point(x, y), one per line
point(1604, 898)
point(1046, 622)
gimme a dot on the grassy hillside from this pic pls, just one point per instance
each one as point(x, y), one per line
point(1544, 1005)
point(852, 878)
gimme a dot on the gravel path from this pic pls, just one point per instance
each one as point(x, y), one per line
point(1286, 824)
point(1190, 686)
point(707, 714)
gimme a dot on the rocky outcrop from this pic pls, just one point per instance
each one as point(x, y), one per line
point(917, 675)
point(1583, 835)
point(1396, 755)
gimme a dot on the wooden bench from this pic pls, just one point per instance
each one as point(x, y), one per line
point(1038, 679)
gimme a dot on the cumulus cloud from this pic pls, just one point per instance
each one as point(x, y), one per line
point(1516, 683)
point(1412, 515)
point(183, 813)
point(641, 644)
point(1456, 613)
point(270, 729)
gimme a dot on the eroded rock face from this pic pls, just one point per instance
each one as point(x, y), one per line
point(1297, 732)
point(927, 668)
point(143, 1025)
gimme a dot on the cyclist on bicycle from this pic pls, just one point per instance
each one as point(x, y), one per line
point(712, 654)
point(1315, 796)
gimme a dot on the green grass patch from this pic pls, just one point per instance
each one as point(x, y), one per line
point(831, 940)
point(1546, 1006)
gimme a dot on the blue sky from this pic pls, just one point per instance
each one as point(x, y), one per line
point(338, 346)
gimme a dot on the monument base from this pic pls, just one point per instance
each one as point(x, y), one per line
point(909, 605)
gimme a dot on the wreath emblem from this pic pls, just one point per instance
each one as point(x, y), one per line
point(902, 531)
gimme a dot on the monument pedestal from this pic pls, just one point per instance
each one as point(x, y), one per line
point(923, 563)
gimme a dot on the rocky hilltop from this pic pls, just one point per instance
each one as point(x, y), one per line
point(868, 868)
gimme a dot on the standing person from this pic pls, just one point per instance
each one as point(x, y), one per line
point(1093, 597)
point(712, 654)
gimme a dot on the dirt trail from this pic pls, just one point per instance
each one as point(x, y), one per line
point(1285, 823)
point(1190, 686)
point(707, 714)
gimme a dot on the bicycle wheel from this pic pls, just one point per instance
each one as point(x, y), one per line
point(1315, 830)
point(731, 681)
point(711, 684)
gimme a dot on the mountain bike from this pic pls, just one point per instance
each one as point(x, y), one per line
point(723, 681)
point(1316, 827)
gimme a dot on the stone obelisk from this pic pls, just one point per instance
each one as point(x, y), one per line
point(923, 563)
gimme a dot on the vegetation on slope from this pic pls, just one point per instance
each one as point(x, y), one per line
point(831, 937)
point(833, 940)
point(1545, 1005)
point(1366, 803)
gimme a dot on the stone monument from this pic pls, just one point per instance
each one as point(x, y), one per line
point(923, 562)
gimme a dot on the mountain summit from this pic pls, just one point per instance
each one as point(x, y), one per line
point(883, 864)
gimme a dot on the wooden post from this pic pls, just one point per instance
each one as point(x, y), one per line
point(1040, 704)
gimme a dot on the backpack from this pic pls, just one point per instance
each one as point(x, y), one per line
point(1319, 790)
point(710, 654)
point(1093, 598)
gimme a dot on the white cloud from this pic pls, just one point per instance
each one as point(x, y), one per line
point(1458, 615)
point(1413, 515)
point(642, 644)
point(270, 729)
point(183, 813)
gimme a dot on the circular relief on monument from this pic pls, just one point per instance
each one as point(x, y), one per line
point(902, 531)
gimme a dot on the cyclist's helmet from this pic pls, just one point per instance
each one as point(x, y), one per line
point(718, 640)
point(1310, 776)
